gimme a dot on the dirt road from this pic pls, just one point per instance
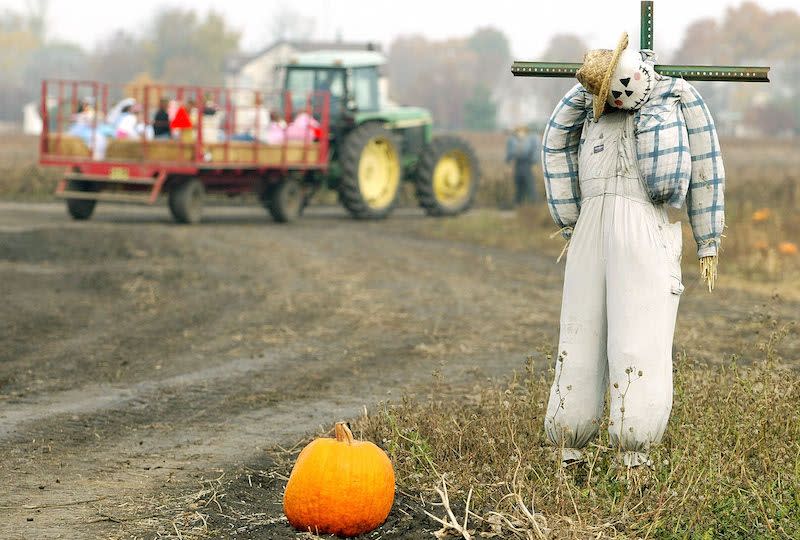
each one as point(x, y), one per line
point(138, 357)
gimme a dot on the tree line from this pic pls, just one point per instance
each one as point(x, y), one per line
point(177, 45)
point(750, 35)
point(463, 81)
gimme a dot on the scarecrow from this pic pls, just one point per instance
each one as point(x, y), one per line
point(620, 147)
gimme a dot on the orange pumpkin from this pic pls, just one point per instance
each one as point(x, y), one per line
point(339, 486)
point(761, 215)
point(760, 245)
point(787, 248)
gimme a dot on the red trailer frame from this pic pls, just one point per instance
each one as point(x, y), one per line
point(138, 171)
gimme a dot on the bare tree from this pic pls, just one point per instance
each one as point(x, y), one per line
point(287, 24)
point(561, 48)
point(37, 18)
point(184, 48)
point(748, 34)
point(118, 58)
point(493, 50)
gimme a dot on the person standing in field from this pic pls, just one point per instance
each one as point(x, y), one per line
point(523, 149)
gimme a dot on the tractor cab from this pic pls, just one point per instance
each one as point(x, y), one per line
point(351, 78)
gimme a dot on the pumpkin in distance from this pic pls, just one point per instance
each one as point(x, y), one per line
point(339, 486)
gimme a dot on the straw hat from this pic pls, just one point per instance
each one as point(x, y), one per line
point(596, 71)
point(522, 129)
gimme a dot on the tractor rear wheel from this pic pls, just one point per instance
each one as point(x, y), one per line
point(447, 176)
point(371, 172)
point(80, 209)
point(285, 200)
point(186, 201)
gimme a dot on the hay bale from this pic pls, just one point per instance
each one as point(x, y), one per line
point(243, 152)
point(297, 153)
point(238, 152)
point(127, 150)
point(169, 151)
point(60, 144)
point(134, 150)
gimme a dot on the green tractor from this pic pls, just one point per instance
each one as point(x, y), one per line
point(375, 145)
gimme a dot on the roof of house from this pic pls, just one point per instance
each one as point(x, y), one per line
point(348, 59)
point(235, 64)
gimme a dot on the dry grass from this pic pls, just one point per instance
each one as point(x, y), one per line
point(21, 177)
point(729, 466)
point(760, 175)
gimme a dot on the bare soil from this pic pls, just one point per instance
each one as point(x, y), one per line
point(151, 375)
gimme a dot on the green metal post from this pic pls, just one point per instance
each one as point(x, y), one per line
point(544, 69)
point(717, 73)
point(646, 33)
point(690, 73)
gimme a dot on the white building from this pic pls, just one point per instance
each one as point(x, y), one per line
point(262, 70)
point(31, 119)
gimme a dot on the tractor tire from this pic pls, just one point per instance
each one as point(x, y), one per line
point(371, 172)
point(186, 201)
point(80, 209)
point(447, 177)
point(285, 201)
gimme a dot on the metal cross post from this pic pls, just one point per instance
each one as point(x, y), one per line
point(692, 73)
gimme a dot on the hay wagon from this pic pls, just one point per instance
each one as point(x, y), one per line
point(356, 141)
point(245, 142)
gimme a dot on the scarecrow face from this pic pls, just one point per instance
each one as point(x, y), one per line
point(632, 81)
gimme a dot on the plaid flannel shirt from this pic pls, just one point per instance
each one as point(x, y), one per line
point(678, 154)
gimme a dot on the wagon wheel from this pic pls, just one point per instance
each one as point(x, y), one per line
point(447, 177)
point(286, 200)
point(81, 209)
point(186, 201)
point(370, 160)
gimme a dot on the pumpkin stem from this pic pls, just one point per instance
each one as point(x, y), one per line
point(343, 433)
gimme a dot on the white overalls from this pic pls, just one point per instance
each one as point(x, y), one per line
point(621, 289)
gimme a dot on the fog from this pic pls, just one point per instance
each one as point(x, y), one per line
point(528, 25)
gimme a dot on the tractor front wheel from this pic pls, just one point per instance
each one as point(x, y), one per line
point(186, 201)
point(370, 160)
point(447, 177)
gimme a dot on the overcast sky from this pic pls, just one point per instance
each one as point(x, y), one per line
point(528, 24)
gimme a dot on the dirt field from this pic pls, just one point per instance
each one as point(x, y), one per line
point(156, 381)
point(138, 355)
point(147, 366)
